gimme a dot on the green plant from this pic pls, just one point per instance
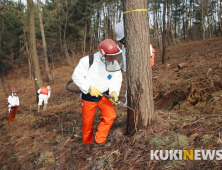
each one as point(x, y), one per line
point(172, 140)
point(174, 164)
point(206, 140)
point(193, 111)
point(167, 86)
point(190, 109)
point(158, 141)
point(174, 116)
point(109, 159)
point(47, 157)
point(15, 155)
point(178, 140)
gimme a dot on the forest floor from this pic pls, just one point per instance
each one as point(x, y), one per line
point(188, 116)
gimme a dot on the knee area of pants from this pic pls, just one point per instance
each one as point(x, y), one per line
point(113, 117)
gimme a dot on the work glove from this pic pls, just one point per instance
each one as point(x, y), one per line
point(94, 92)
point(114, 96)
point(16, 106)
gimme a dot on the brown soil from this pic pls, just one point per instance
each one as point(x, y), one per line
point(187, 103)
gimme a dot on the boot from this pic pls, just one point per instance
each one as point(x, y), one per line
point(102, 145)
point(44, 107)
point(38, 108)
point(88, 148)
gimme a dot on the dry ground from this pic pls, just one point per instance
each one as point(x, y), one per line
point(187, 116)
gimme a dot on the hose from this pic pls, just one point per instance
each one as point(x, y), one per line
point(67, 88)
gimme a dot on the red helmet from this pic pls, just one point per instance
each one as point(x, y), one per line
point(109, 49)
point(14, 91)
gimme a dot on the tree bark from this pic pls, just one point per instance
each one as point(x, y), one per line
point(139, 72)
point(32, 44)
point(44, 43)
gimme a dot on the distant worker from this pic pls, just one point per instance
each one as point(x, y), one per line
point(13, 104)
point(44, 95)
point(96, 77)
point(120, 36)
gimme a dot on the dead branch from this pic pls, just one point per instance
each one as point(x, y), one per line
point(197, 120)
point(15, 141)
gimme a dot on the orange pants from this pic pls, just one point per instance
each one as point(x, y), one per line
point(108, 115)
point(11, 116)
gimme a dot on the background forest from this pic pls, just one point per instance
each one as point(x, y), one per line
point(77, 26)
point(187, 88)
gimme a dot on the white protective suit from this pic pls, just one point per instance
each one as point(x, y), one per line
point(96, 76)
point(43, 97)
point(12, 101)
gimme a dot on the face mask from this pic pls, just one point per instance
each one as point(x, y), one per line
point(115, 65)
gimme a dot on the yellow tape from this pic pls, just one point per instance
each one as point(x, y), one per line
point(126, 12)
point(38, 81)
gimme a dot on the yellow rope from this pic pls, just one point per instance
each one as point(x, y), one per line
point(126, 12)
point(38, 81)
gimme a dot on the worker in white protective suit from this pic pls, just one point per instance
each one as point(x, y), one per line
point(103, 76)
point(44, 95)
point(119, 30)
point(13, 104)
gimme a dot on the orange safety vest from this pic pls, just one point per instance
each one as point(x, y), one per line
point(44, 90)
point(153, 56)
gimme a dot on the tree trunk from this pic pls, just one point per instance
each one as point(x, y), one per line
point(32, 44)
point(1, 36)
point(175, 24)
point(164, 34)
point(65, 47)
point(139, 72)
point(171, 26)
point(2, 25)
point(105, 23)
point(29, 56)
point(113, 21)
point(44, 43)
point(156, 29)
point(184, 13)
point(203, 23)
point(84, 39)
point(168, 24)
point(90, 39)
point(190, 15)
point(192, 26)
point(60, 25)
point(97, 26)
point(219, 17)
